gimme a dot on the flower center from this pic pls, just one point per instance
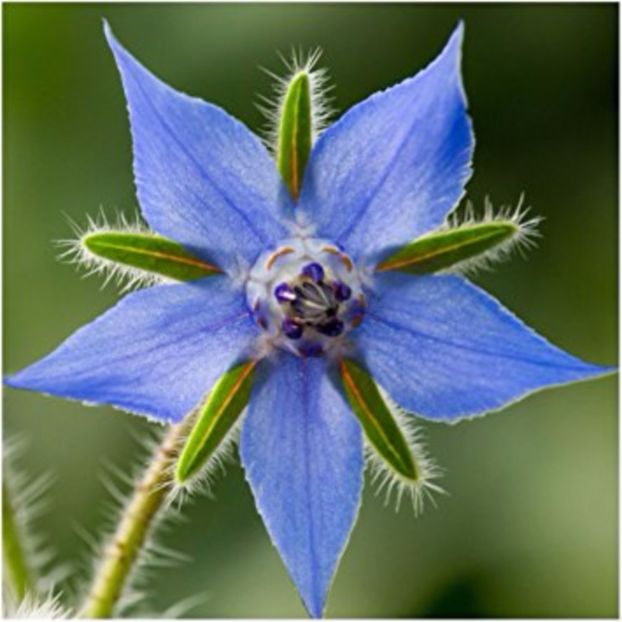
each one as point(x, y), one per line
point(306, 295)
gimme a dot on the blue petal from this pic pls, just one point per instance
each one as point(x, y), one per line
point(444, 349)
point(394, 165)
point(302, 451)
point(203, 179)
point(157, 352)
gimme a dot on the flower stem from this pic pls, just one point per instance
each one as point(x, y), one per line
point(136, 523)
point(16, 567)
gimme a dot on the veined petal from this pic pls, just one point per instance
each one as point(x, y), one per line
point(203, 179)
point(444, 349)
point(157, 352)
point(302, 451)
point(394, 165)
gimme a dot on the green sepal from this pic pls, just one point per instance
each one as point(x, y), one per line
point(216, 417)
point(378, 423)
point(148, 252)
point(442, 249)
point(295, 132)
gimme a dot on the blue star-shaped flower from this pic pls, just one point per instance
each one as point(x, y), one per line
point(298, 290)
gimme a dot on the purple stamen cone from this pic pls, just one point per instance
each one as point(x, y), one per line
point(314, 271)
point(342, 291)
point(284, 293)
point(334, 328)
point(291, 329)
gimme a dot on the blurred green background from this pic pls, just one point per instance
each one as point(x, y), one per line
point(530, 525)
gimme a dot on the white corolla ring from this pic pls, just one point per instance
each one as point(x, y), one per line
point(306, 295)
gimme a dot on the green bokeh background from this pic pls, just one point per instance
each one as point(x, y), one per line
point(530, 525)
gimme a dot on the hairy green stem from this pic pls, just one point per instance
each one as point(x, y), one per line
point(136, 523)
point(17, 572)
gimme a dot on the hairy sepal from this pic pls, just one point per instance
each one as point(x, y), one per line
point(466, 243)
point(386, 480)
point(148, 253)
point(295, 132)
point(215, 421)
point(129, 253)
point(296, 114)
point(380, 428)
point(394, 450)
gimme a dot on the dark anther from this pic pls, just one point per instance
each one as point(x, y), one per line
point(291, 329)
point(314, 271)
point(284, 293)
point(332, 328)
point(342, 291)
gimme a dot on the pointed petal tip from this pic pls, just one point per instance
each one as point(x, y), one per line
point(587, 370)
point(363, 145)
point(453, 47)
point(117, 49)
point(599, 371)
point(9, 381)
point(229, 200)
point(22, 379)
point(305, 472)
point(108, 32)
point(146, 329)
point(458, 31)
point(452, 360)
point(315, 610)
point(314, 604)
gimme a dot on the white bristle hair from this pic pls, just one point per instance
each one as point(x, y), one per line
point(120, 486)
point(523, 240)
point(33, 607)
point(30, 501)
point(215, 467)
point(272, 106)
point(392, 484)
point(74, 251)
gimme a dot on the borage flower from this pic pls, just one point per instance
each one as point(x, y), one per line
point(305, 297)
